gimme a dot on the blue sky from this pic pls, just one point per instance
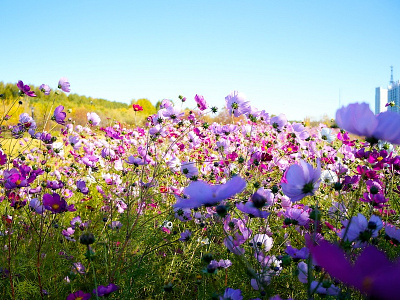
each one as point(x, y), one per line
point(292, 57)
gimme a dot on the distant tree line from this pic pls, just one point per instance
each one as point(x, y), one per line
point(76, 105)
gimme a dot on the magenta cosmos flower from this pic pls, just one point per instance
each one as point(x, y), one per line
point(25, 89)
point(201, 103)
point(200, 193)
point(372, 273)
point(79, 295)
point(64, 84)
point(137, 107)
point(359, 119)
point(301, 180)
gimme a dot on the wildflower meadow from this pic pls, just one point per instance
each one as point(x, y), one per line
point(177, 207)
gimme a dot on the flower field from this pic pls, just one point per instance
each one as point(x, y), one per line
point(258, 208)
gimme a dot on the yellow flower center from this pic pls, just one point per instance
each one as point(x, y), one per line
point(18, 182)
point(55, 206)
point(379, 158)
point(289, 149)
point(79, 298)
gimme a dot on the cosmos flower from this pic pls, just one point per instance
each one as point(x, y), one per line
point(201, 103)
point(54, 203)
point(236, 104)
point(93, 118)
point(278, 122)
point(25, 89)
point(301, 180)
point(359, 119)
point(358, 228)
point(3, 158)
point(200, 193)
point(137, 107)
point(81, 186)
point(326, 135)
point(372, 273)
point(45, 89)
point(36, 206)
point(79, 295)
point(231, 294)
point(64, 84)
point(105, 290)
point(59, 115)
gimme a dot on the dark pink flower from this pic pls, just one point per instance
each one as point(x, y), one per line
point(137, 107)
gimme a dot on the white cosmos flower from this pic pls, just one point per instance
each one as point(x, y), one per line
point(327, 135)
point(329, 177)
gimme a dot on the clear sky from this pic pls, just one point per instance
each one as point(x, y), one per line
point(293, 57)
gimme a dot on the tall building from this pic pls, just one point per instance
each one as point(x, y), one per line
point(381, 98)
point(391, 94)
point(394, 96)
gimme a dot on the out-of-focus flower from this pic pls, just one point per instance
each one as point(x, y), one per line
point(372, 273)
point(359, 119)
point(25, 89)
point(201, 193)
point(64, 84)
point(231, 294)
point(301, 180)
